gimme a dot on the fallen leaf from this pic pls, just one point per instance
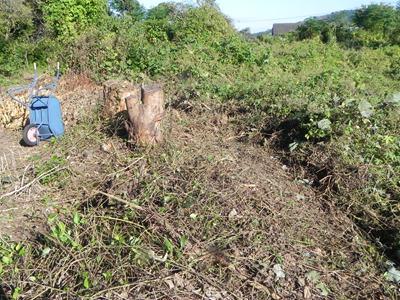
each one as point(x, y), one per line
point(312, 276)
point(260, 287)
point(213, 294)
point(278, 271)
point(307, 293)
point(322, 286)
point(170, 284)
point(179, 281)
point(392, 274)
point(232, 214)
point(301, 281)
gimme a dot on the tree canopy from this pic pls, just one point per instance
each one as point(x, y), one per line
point(128, 8)
point(15, 18)
point(72, 17)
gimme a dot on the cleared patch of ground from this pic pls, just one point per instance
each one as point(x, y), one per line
point(15, 170)
point(204, 216)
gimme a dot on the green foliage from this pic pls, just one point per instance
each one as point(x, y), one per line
point(162, 11)
point(130, 8)
point(315, 27)
point(70, 18)
point(372, 26)
point(51, 172)
point(203, 24)
point(340, 17)
point(15, 18)
point(158, 30)
point(376, 18)
point(234, 50)
point(10, 62)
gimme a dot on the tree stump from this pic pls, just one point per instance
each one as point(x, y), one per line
point(115, 92)
point(145, 116)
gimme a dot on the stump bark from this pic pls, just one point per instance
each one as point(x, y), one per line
point(145, 115)
point(115, 92)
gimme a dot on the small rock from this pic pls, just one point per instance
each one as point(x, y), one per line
point(87, 155)
point(306, 181)
point(8, 179)
point(106, 147)
point(232, 214)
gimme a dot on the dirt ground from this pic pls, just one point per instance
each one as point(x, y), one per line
point(16, 212)
point(274, 238)
point(78, 96)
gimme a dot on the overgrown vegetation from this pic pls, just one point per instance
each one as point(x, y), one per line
point(326, 99)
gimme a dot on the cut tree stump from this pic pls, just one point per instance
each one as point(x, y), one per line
point(145, 116)
point(115, 93)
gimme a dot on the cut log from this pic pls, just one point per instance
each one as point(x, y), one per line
point(115, 92)
point(145, 116)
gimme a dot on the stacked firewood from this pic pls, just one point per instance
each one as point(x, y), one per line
point(12, 114)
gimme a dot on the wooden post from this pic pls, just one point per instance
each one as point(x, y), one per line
point(145, 116)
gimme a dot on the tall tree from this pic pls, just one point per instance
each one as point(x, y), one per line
point(376, 18)
point(161, 11)
point(128, 7)
point(15, 17)
point(340, 18)
point(211, 3)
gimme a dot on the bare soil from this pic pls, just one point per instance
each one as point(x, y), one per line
point(15, 211)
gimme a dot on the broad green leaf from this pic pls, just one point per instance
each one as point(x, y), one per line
point(46, 251)
point(313, 276)
point(324, 124)
point(18, 247)
point(86, 283)
point(183, 241)
point(22, 251)
point(7, 260)
point(16, 293)
point(168, 245)
point(322, 286)
point(366, 109)
point(392, 274)
point(52, 217)
point(62, 226)
point(77, 218)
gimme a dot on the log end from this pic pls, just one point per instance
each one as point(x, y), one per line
point(152, 88)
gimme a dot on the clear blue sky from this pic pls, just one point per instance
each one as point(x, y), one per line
point(260, 15)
